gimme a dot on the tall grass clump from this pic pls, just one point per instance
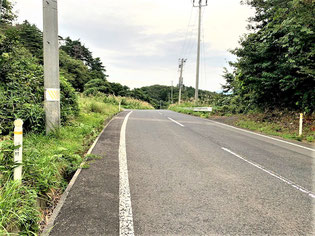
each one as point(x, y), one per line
point(126, 102)
point(19, 213)
point(97, 105)
point(49, 162)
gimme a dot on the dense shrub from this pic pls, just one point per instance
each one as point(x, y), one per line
point(96, 86)
point(22, 88)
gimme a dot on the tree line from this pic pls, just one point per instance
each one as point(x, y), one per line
point(275, 66)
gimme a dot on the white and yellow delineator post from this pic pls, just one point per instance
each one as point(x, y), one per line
point(18, 141)
point(301, 124)
point(119, 107)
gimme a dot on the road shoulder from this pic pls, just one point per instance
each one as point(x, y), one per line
point(90, 208)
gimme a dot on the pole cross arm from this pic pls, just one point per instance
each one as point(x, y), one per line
point(202, 3)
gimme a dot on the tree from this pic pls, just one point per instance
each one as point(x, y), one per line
point(7, 14)
point(97, 70)
point(76, 50)
point(96, 86)
point(120, 90)
point(74, 71)
point(31, 38)
point(275, 63)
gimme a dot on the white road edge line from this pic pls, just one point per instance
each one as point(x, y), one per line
point(265, 136)
point(125, 210)
point(294, 185)
point(176, 122)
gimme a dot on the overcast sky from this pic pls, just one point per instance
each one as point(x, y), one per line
point(140, 41)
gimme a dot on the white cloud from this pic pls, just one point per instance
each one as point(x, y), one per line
point(140, 41)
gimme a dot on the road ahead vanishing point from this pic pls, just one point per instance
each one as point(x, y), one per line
point(165, 173)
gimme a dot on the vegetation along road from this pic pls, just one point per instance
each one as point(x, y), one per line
point(188, 175)
point(172, 171)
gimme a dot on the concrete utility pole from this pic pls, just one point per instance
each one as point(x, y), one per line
point(172, 91)
point(51, 65)
point(181, 67)
point(199, 5)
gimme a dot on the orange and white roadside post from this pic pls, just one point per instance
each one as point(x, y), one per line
point(18, 141)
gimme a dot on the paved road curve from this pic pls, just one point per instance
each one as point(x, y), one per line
point(189, 176)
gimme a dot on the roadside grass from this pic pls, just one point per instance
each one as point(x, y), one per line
point(49, 163)
point(285, 125)
point(127, 102)
point(276, 123)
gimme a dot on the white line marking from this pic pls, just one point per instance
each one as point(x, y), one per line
point(51, 220)
point(176, 122)
point(297, 145)
point(125, 210)
point(294, 185)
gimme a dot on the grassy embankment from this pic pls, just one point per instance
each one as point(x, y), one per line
point(277, 123)
point(49, 163)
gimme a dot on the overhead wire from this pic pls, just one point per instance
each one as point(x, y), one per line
point(191, 42)
point(183, 47)
point(203, 51)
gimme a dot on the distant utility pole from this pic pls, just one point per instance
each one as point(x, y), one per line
point(172, 91)
point(180, 84)
point(202, 3)
point(51, 65)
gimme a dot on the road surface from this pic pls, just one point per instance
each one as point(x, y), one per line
point(165, 173)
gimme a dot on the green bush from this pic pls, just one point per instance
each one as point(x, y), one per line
point(22, 88)
point(68, 100)
point(95, 86)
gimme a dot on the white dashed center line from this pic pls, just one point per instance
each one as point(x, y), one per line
point(176, 122)
point(289, 182)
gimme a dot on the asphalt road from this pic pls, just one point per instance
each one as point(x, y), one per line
point(190, 176)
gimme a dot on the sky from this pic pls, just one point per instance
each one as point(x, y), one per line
point(140, 41)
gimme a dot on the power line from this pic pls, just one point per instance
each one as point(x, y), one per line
point(191, 40)
point(183, 47)
point(191, 37)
